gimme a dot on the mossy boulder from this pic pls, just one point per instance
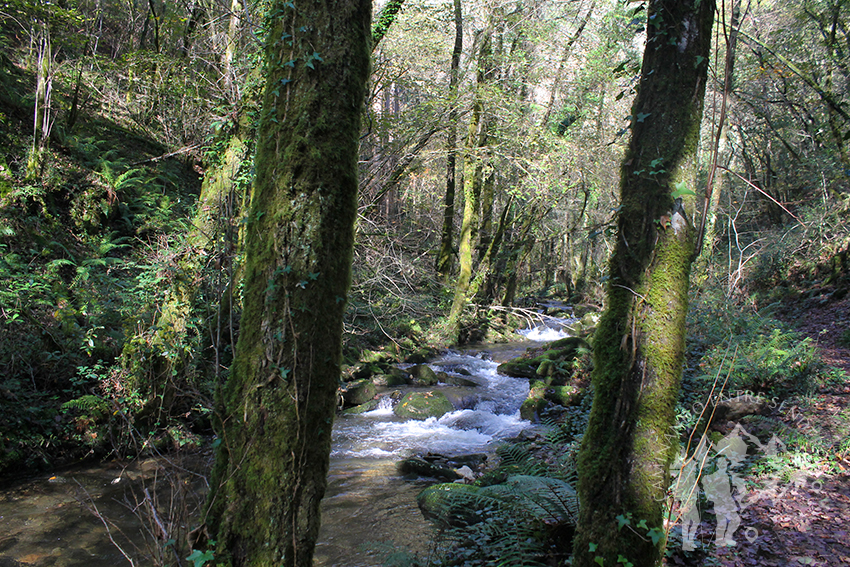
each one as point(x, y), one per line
point(358, 392)
point(553, 361)
point(423, 375)
point(568, 395)
point(422, 405)
point(371, 405)
point(391, 379)
point(423, 467)
point(533, 405)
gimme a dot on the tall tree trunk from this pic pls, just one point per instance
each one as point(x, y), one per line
point(162, 363)
point(715, 182)
point(473, 171)
point(276, 411)
point(42, 118)
point(445, 256)
point(230, 47)
point(626, 452)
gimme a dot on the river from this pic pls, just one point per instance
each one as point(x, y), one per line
point(369, 510)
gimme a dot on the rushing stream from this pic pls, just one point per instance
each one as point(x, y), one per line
point(369, 510)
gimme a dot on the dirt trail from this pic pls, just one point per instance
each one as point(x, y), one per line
point(802, 518)
point(825, 321)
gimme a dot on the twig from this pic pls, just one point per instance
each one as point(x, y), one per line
point(105, 523)
point(168, 155)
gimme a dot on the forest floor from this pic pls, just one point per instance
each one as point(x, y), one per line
point(801, 517)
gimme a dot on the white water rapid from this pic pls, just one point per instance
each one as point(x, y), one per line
point(369, 509)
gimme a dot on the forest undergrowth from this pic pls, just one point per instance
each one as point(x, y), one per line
point(94, 247)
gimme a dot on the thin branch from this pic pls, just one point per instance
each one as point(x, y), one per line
point(763, 192)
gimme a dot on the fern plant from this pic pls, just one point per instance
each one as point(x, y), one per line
point(527, 520)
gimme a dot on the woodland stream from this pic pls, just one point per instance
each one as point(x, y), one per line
point(369, 510)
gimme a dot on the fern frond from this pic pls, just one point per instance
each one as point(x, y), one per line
point(89, 404)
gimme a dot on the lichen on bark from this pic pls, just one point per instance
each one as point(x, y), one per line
point(275, 413)
point(639, 343)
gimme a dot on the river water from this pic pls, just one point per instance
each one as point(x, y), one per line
point(369, 510)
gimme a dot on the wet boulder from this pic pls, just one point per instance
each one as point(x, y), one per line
point(371, 405)
point(394, 377)
point(422, 405)
point(423, 375)
point(422, 467)
point(553, 361)
point(357, 392)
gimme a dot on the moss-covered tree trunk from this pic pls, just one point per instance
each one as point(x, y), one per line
point(638, 347)
point(196, 313)
point(276, 410)
point(474, 165)
point(445, 256)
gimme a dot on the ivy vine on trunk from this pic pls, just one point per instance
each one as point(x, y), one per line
point(275, 413)
point(627, 450)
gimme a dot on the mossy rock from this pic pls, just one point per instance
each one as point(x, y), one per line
point(553, 360)
point(371, 405)
point(423, 375)
point(390, 380)
point(534, 403)
point(422, 405)
point(376, 357)
point(563, 395)
point(358, 392)
point(421, 467)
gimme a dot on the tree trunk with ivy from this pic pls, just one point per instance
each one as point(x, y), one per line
point(638, 347)
point(197, 310)
point(275, 413)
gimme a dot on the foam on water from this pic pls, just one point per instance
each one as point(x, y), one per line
point(494, 415)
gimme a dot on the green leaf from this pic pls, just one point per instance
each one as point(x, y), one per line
point(200, 559)
point(592, 547)
point(643, 116)
point(681, 189)
point(655, 535)
point(622, 521)
point(642, 525)
point(599, 561)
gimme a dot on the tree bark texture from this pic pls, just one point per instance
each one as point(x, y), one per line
point(474, 165)
point(445, 256)
point(276, 410)
point(638, 347)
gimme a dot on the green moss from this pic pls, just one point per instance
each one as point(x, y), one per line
point(422, 405)
point(278, 404)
